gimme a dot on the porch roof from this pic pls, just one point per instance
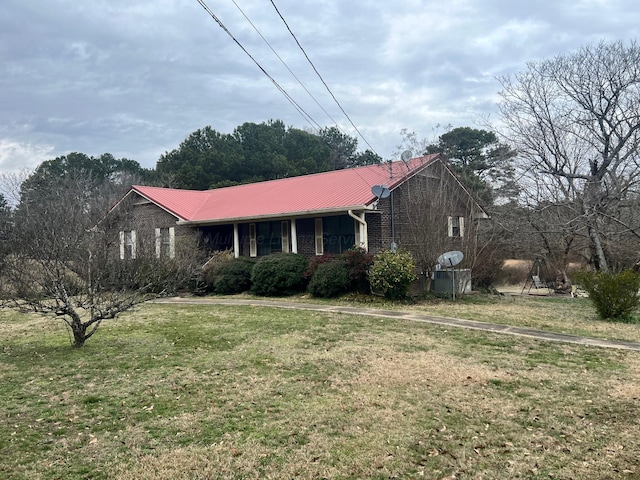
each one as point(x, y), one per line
point(321, 192)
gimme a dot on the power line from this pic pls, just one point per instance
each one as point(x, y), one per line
point(285, 64)
point(301, 110)
point(322, 79)
point(295, 76)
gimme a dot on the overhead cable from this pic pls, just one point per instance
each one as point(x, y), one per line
point(301, 110)
point(285, 64)
point(320, 77)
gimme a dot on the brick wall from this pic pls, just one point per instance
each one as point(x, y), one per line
point(421, 207)
point(377, 241)
point(137, 213)
point(410, 202)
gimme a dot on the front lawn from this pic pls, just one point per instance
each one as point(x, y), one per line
point(208, 392)
point(554, 313)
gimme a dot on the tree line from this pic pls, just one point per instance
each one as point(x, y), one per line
point(560, 178)
point(256, 152)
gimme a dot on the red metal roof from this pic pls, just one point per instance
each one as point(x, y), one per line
point(339, 189)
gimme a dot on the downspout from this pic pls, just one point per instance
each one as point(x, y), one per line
point(364, 234)
point(393, 225)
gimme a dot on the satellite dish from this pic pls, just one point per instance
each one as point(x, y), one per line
point(380, 191)
point(406, 156)
point(450, 259)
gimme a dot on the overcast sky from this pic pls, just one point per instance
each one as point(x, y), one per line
point(134, 78)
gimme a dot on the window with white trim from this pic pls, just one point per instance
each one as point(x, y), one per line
point(338, 234)
point(165, 242)
point(456, 226)
point(266, 238)
point(127, 244)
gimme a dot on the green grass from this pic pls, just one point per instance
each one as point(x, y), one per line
point(207, 392)
point(560, 314)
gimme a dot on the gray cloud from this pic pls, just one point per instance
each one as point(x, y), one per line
point(135, 78)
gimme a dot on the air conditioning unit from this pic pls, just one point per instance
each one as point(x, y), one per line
point(444, 280)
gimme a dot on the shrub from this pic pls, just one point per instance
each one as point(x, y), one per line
point(615, 296)
point(148, 275)
point(330, 279)
point(358, 262)
point(487, 269)
point(211, 267)
point(392, 273)
point(232, 276)
point(279, 274)
point(315, 262)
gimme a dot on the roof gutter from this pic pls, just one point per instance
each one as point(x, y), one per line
point(276, 216)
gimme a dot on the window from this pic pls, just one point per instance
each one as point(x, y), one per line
point(165, 242)
point(338, 234)
point(284, 226)
point(127, 244)
point(456, 226)
point(268, 237)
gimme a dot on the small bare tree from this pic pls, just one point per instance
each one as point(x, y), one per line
point(59, 262)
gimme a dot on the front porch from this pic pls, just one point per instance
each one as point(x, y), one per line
point(305, 235)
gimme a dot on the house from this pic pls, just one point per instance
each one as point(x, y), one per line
point(374, 207)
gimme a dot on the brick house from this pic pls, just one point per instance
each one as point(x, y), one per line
point(314, 214)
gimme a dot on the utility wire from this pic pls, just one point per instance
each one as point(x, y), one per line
point(285, 64)
point(302, 112)
point(322, 79)
point(295, 76)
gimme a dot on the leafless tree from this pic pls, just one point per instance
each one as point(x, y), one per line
point(59, 261)
point(437, 214)
point(418, 146)
point(575, 122)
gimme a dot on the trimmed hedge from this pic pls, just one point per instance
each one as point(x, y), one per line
point(330, 279)
point(232, 276)
point(279, 274)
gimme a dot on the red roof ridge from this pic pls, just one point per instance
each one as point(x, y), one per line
point(302, 194)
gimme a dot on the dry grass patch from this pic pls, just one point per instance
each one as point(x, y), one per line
point(208, 392)
point(230, 459)
point(393, 368)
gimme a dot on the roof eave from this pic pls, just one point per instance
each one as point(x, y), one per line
point(180, 219)
point(275, 216)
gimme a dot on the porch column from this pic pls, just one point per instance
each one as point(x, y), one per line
point(294, 236)
point(236, 241)
point(362, 234)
